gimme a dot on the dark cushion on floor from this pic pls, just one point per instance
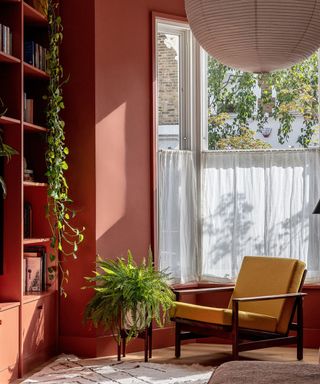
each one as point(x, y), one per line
point(263, 372)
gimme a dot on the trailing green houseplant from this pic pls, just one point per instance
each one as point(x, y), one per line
point(65, 236)
point(128, 296)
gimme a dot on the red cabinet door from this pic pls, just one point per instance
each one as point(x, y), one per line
point(9, 336)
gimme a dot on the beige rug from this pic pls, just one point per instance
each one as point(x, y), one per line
point(70, 369)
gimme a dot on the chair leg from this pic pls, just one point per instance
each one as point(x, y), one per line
point(235, 330)
point(235, 351)
point(300, 328)
point(178, 341)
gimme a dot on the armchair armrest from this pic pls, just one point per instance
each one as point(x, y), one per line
point(269, 297)
point(177, 292)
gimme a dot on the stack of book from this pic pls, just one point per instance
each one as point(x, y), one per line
point(5, 39)
point(35, 55)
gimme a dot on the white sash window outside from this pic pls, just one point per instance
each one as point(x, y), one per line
point(215, 207)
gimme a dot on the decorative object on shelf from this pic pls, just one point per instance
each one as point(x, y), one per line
point(128, 296)
point(256, 35)
point(48, 271)
point(65, 236)
point(32, 272)
point(27, 173)
point(5, 150)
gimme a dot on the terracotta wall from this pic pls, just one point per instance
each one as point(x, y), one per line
point(107, 51)
point(78, 60)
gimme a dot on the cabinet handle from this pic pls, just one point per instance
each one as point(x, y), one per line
point(40, 307)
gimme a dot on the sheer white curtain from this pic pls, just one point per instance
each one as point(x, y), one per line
point(259, 203)
point(177, 211)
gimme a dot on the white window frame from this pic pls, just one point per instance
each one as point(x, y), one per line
point(187, 58)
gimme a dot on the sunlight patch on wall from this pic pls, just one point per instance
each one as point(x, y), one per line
point(110, 170)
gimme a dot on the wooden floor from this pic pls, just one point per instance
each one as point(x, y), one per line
point(214, 354)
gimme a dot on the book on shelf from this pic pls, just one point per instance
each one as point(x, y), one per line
point(5, 39)
point(27, 220)
point(35, 54)
point(35, 265)
point(28, 109)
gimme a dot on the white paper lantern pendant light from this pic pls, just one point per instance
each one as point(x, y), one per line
point(256, 35)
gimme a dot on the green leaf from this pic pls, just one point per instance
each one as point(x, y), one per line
point(64, 165)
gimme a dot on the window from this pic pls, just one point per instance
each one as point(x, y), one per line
point(259, 111)
point(173, 70)
point(216, 206)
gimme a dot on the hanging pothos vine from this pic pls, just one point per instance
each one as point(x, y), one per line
point(65, 237)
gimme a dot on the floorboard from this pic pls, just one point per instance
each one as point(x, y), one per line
point(214, 355)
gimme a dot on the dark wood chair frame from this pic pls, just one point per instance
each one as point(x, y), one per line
point(243, 339)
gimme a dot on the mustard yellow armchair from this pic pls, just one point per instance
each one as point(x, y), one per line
point(261, 311)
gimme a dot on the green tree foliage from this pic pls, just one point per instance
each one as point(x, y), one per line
point(244, 140)
point(231, 90)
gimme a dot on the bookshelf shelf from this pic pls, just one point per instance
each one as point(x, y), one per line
point(29, 297)
point(6, 58)
point(33, 72)
point(36, 241)
point(5, 120)
point(32, 16)
point(5, 306)
point(29, 127)
point(34, 184)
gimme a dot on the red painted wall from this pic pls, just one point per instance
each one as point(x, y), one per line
point(78, 60)
point(107, 50)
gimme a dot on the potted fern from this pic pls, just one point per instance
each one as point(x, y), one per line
point(128, 296)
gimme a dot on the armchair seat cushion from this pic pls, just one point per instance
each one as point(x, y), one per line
point(223, 316)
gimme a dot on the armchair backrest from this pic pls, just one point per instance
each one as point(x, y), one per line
point(262, 276)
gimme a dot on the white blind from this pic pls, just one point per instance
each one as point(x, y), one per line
point(177, 215)
point(259, 203)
